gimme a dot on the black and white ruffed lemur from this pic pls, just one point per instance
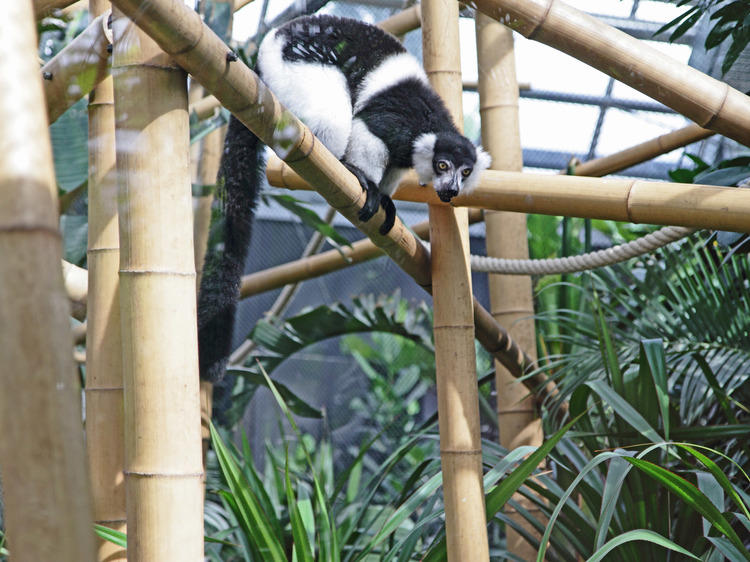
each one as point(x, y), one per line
point(368, 100)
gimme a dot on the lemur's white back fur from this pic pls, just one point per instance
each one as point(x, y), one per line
point(326, 106)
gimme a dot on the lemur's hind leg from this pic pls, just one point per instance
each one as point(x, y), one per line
point(372, 202)
point(390, 214)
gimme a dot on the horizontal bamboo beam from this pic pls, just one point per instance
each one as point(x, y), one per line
point(677, 204)
point(642, 152)
point(180, 32)
point(77, 69)
point(323, 263)
point(712, 104)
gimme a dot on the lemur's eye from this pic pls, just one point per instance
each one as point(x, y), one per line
point(466, 172)
point(442, 165)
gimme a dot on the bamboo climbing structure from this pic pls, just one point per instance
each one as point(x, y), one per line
point(163, 461)
point(511, 299)
point(46, 496)
point(162, 454)
point(453, 323)
point(105, 430)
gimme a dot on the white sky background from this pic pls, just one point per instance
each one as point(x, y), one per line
point(551, 125)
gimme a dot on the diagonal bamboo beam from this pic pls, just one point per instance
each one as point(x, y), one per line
point(712, 104)
point(666, 203)
point(77, 69)
point(642, 152)
point(180, 32)
point(43, 8)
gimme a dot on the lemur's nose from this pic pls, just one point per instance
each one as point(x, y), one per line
point(447, 194)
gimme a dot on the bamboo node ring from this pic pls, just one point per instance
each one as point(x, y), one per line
point(538, 27)
point(716, 114)
point(198, 40)
point(137, 474)
point(460, 451)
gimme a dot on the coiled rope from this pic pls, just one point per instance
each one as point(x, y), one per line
point(584, 262)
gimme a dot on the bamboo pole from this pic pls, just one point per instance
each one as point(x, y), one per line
point(325, 262)
point(205, 107)
point(511, 300)
point(712, 104)
point(642, 152)
point(44, 8)
point(105, 435)
point(46, 498)
point(180, 32)
point(76, 69)
point(163, 466)
point(676, 204)
point(403, 21)
point(453, 322)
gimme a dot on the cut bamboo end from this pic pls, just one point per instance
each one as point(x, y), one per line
point(77, 69)
point(205, 107)
point(404, 21)
point(709, 102)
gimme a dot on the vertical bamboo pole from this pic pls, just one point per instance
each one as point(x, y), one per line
point(511, 302)
point(455, 361)
point(104, 391)
point(163, 469)
point(45, 486)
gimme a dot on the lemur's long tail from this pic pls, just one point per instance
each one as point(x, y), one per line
point(238, 184)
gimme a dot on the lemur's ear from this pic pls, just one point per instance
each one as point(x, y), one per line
point(483, 162)
point(422, 155)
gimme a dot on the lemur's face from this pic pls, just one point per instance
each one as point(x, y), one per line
point(450, 161)
point(449, 175)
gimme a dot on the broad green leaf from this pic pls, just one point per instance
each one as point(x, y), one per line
point(653, 352)
point(692, 496)
point(625, 410)
point(719, 475)
point(639, 535)
point(310, 218)
point(294, 402)
point(498, 496)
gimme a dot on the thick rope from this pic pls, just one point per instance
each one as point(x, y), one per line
point(600, 258)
